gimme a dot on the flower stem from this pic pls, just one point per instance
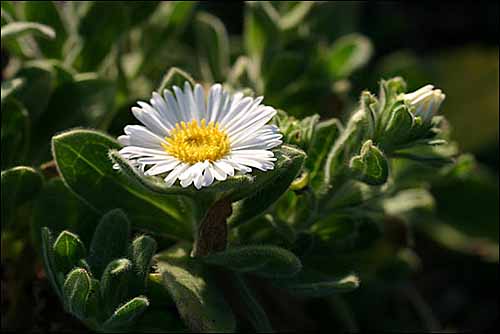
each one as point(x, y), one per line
point(212, 232)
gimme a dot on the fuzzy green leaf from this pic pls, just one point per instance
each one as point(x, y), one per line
point(110, 240)
point(141, 253)
point(77, 288)
point(83, 162)
point(268, 186)
point(19, 185)
point(116, 284)
point(193, 288)
point(261, 260)
point(370, 166)
point(68, 250)
point(126, 314)
point(48, 259)
point(253, 311)
point(309, 283)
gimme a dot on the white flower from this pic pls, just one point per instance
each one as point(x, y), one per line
point(196, 140)
point(426, 101)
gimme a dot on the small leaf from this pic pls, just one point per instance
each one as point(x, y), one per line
point(17, 29)
point(76, 290)
point(194, 290)
point(126, 314)
point(266, 261)
point(309, 283)
point(370, 166)
point(19, 185)
point(116, 284)
point(345, 146)
point(398, 128)
point(48, 259)
point(268, 186)
point(348, 54)
point(253, 311)
point(325, 135)
point(141, 252)
point(110, 240)
point(68, 250)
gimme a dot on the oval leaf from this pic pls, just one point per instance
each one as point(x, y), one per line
point(110, 240)
point(76, 290)
point(68, 250)
point(194, 290)
point(266, 261)
point(83, 162)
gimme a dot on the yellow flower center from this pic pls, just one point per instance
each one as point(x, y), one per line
point(192, 142)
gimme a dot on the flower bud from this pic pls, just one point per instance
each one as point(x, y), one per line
point(426, 101)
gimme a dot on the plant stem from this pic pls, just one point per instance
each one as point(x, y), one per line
point(212, 232)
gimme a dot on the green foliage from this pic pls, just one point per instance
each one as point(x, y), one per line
point(340, 207)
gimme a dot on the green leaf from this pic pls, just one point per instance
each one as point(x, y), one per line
point(126, 314)
point(398, 128)
point(68, 250)
point(110, 240)
point(17, 29)
point(48, 259)
point(175, 76)
point(83, 162)
point(345, 146)
point(141, 252)
point(116, 284)
point(47, 12)
point(76, 290)
point(36, 95)
point(370, 166)
point(325, 135)
point(19, 185)
point(10, 86)
point(213, 47)
point(266, 261)
point(348, 54)
point(59, 209)
point(194, 290)
point(15, 134)
point(268, 186)
point(253, 311)
point(310, 283)
point(98, 40)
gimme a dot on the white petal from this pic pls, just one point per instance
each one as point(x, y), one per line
point(208, 176)
point(162, 167)
point(199, 98)
point(172, 176)
point(140, 136)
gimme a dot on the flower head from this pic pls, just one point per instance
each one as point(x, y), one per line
point(195, 140)
point(426, 101)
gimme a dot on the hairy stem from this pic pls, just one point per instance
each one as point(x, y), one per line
point(212, 232)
